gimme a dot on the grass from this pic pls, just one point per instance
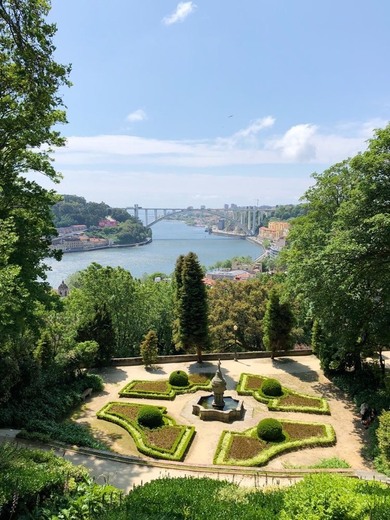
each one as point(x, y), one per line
point(289, 401)
point(331, 463)
point(162, 389)
point(246, 449)
point(170, 441)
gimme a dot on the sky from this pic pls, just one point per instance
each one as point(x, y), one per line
point(208, 102)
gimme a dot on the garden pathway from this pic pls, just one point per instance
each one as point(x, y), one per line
point(302, 374)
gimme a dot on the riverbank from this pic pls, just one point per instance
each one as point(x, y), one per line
point(170, 239)
point(108, 246)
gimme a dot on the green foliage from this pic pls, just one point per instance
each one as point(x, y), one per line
point(272, 387)
point(67, 432)
point(288, 211)
point(122, 414)
point(38, 484)
point(76, 210)
point(197, 499)
point(270, 430)
point(289, 401)
point(241, 304)
point(100, 330)
point(277, 324)
point(134, 307)
point(149, 349)
point(333, 462)
point(191, 320)
point(261, 453)
point(337, 251)
point(383, 435)
point(47, 398)
point(178, 378)
point(30, 108)
point(164, 390)
point(333, 497)
point(150, 416)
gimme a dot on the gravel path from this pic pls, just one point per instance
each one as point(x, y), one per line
point(302, 374)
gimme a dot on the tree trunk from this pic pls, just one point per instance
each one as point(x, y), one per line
point(199, 355)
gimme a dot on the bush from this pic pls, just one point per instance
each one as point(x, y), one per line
point(178, 378)
point(149, 349)
point(334, 497)
point(150, 416)
point(271, 387)
point(68, 432)
point(383, 435)
point(270, 430)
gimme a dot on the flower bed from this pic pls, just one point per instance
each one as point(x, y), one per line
point(162, 389)
point(170, 441)
point(289, 401)
point(246, 449)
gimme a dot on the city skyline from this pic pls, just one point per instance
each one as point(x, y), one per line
point(206, 103)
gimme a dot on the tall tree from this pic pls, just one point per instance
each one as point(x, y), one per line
point(100, 330)
point(339, 252)
point(191, 305)
point(29, 106)
point(277, 324)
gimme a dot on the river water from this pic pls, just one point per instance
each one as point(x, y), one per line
point(170, 239)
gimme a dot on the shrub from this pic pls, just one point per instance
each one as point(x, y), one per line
point(178, 378)
point(149, 349)
point(383, 435)
point(271, 387)
point(270, 430)
point(150, 416)
point(71, 433)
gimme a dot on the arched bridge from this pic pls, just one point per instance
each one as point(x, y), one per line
point(245, 220)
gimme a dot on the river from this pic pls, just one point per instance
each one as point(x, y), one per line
point(170, 239)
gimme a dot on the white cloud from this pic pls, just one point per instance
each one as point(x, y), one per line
point(137, 115)
point(175, 189)
point(299, 145)
point(248, 134)
point(183, 10)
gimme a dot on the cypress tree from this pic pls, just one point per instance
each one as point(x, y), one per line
point(277, 324)
point(191, 323)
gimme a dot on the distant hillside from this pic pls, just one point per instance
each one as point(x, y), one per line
point(76, 210)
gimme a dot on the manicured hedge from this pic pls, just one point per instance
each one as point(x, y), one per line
point(272, 449)
point(168, 393)
point(138, 433)
point(281, 404)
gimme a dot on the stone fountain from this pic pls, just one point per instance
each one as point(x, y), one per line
point(216, 407)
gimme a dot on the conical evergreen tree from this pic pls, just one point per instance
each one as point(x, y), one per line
point(191, 324)
point(277, 324)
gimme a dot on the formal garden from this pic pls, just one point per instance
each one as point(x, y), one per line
point(158, 435)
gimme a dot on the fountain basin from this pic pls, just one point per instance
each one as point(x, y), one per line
point(232, 410)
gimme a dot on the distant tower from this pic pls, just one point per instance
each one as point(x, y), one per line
point(63, 289)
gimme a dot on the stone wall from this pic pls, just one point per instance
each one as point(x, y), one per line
point(211, 357)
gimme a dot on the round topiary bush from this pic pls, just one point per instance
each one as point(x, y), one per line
point(150, 416)
point(271, 387)
point(270, 430)
point(178, 378)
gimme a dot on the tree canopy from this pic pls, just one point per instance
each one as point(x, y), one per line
point(339, 254)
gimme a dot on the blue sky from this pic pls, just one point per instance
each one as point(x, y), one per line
point(179, 104)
